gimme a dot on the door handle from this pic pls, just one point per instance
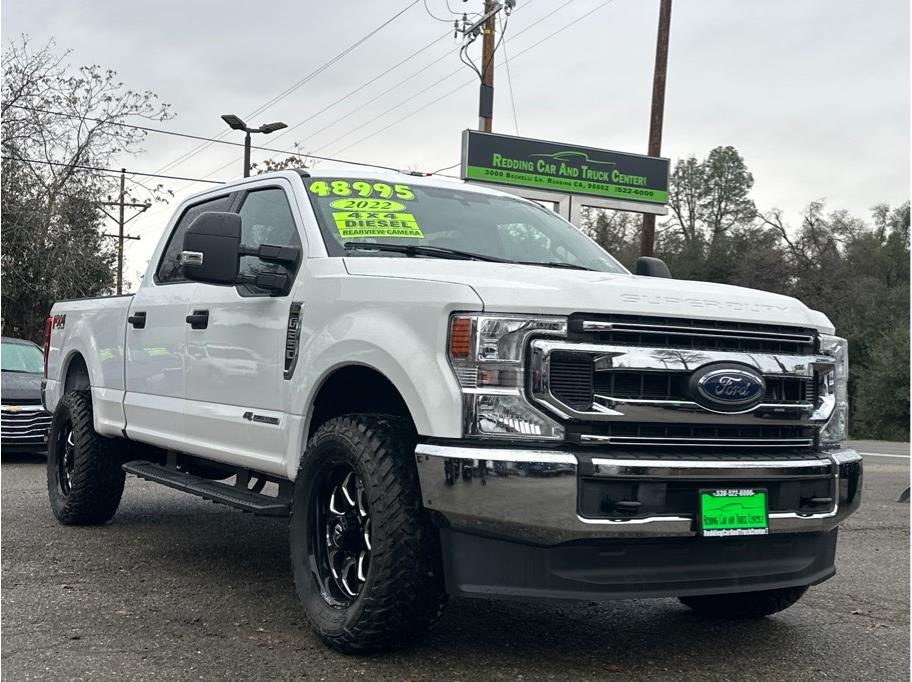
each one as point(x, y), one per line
point(199, 319)
point(138, 320)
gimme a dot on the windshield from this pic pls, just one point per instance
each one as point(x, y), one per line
point(21, 357)
point(352, 211)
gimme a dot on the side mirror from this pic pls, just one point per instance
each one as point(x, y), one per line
point(652, 267)
point(212, 248)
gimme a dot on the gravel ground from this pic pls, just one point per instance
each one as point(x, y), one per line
point(180, 589)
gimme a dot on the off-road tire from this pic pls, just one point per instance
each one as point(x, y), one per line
point(745, 604)
point(403, 594)
point(96, 481)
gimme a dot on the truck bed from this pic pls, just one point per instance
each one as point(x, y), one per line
point(95, 329)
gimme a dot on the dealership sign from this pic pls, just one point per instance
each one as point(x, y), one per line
point(521, 162)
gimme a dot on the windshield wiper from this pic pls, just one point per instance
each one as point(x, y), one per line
point(455, 254)
point(555, 264)
point(423, 250)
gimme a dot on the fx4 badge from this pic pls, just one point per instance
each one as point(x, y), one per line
point(261, 418)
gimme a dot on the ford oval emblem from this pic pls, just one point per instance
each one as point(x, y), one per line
point(730, 388)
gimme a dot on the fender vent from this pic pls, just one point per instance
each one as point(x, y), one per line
point(292, 338)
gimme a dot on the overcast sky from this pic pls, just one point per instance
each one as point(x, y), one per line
point(813, 93)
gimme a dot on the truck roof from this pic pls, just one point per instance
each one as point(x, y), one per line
point(367, 172)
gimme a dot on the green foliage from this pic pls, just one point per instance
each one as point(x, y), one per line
point(854, 271)
point(882, 389)
point(45, 261)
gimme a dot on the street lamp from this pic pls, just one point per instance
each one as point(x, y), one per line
point(236, 123)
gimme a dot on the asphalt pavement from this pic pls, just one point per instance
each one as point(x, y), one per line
point(176, 588)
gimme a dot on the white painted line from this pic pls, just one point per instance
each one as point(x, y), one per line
point(880, 454)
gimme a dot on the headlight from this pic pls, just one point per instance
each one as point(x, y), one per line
point(486, 353)
point(834, 389)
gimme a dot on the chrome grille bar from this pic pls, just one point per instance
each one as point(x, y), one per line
point(596, 326)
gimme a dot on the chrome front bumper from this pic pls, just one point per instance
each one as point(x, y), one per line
point(530, 495)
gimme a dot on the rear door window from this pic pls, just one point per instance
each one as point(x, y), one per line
point(266, 218)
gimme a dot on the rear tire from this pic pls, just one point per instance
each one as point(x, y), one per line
point(84, 478)
point(745, 604)
point(366, 558)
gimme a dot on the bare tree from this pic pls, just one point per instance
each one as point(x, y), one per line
point(58, 124)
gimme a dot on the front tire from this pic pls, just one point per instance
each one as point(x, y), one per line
point(84, 478)
point(745, 604)
point(366, 558)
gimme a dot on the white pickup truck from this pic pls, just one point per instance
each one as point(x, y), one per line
point(451, 390)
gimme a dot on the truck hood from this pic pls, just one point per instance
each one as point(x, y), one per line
point(504, 287)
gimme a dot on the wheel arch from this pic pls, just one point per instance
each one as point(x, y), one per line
point(350, 387)
point(76, 375)
point(354, 388)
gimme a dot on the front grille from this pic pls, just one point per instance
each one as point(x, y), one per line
point(635, 434)
point(574, 383)
point(626, 382)
point(692, 334)
point(26, 427)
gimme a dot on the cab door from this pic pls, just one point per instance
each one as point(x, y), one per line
point(236, 387)
point(156, 343)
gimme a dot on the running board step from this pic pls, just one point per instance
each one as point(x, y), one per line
point(222, 493)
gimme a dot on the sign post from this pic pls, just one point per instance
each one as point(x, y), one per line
point(569, 175)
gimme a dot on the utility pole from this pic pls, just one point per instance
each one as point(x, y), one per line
point(486, 91)
point(647, 232)
point(485, 26)
point(119, 219)
point(120, 235)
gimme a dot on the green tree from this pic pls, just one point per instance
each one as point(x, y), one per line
point(709, 198)
point(882, 388)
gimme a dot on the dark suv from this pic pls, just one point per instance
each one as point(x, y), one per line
point(24, 423)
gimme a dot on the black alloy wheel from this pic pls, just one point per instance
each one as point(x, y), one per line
point(365, 555)
point(340, 536)
point(66, 463)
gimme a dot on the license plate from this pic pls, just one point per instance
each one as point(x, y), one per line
point(733, 511)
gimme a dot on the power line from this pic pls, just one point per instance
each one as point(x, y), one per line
point(317, 72)
point(436, 172)
point(470, 82)
point(384, 92)
point(290, 152)
point(433, 16)
point(148, 129)
point(349, 113)
point(272, 150)
point(360, 87)
point(313, 74)
point(375, 98)
point(107, 170)
point(405, 100)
